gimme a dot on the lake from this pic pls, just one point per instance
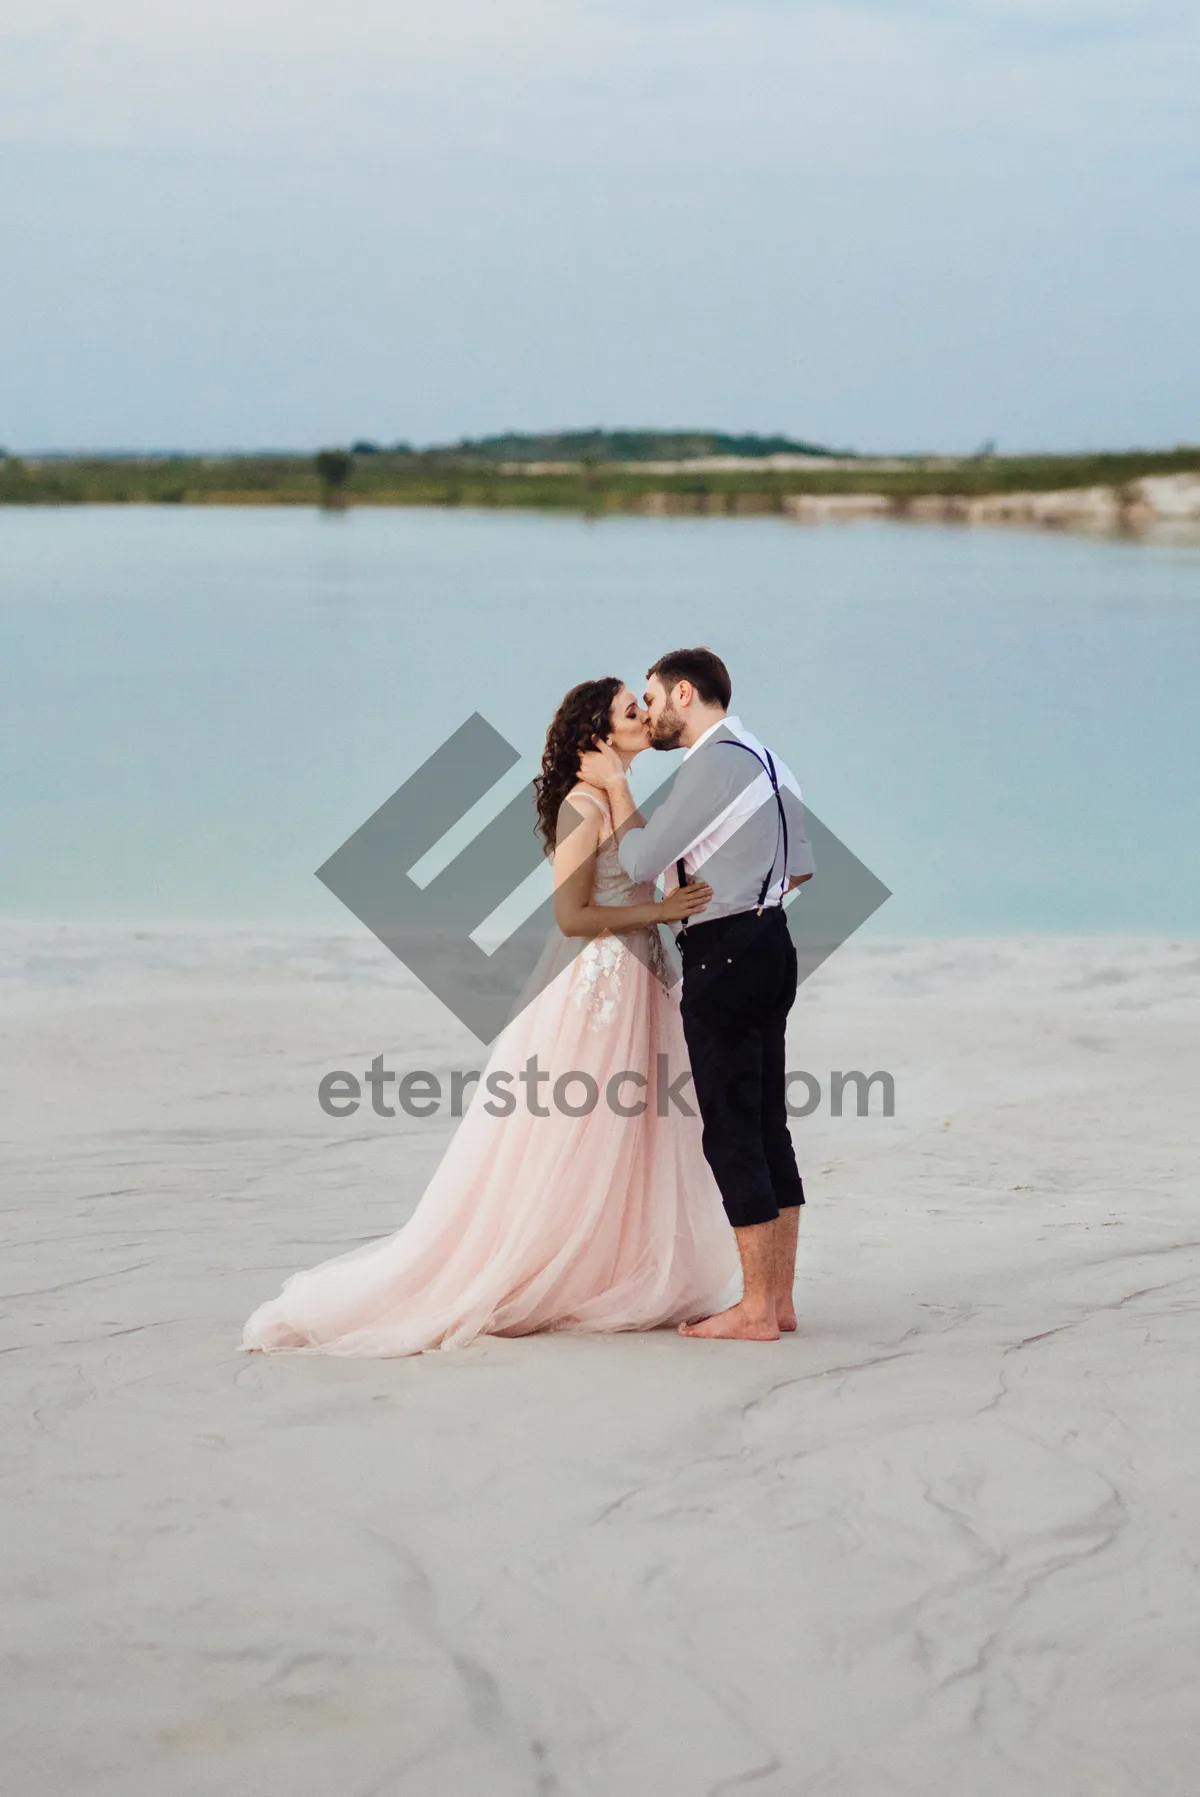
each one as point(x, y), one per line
point(199, 705)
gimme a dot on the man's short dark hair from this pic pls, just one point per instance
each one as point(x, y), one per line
point(706, 671)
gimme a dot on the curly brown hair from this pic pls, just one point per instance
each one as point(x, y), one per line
point(583, 720)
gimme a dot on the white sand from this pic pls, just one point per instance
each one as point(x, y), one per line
point(942, 1542)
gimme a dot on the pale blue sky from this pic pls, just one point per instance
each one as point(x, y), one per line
point(891, 224)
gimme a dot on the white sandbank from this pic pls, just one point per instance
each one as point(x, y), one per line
point(942, 1542)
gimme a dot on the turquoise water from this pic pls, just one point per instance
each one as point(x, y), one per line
point(198, 706)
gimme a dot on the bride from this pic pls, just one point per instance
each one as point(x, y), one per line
point(601, 1220)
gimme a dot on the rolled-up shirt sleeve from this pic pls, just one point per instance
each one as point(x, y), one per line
point(800, 859)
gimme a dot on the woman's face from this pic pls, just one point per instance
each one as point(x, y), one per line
point(630, 725)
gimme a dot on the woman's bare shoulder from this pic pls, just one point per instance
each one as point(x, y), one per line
point(571, 812)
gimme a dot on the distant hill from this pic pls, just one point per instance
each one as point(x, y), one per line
point(630, 446)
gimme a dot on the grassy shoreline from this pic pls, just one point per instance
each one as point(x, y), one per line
point(439, 479)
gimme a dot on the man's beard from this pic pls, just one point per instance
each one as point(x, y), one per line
point(668, 731)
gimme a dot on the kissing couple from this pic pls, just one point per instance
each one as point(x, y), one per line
point(599, 1216)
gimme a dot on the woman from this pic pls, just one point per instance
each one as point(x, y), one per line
point(604, 1220)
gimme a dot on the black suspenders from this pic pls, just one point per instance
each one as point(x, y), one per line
point(781, 828)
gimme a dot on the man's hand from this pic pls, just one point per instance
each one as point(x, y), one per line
point(797, 880)
point(602, 766)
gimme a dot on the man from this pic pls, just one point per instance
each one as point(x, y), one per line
point(735, 812)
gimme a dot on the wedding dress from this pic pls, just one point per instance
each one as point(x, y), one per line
point(592, 1222)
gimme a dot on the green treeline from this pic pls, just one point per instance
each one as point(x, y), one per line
point(366, 475)
point(626, 446)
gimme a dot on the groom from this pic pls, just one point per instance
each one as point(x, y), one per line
point(735, 815)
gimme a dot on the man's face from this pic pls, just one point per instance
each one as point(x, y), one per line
point(666, 724)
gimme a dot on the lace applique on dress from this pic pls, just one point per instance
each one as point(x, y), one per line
point(596, 984)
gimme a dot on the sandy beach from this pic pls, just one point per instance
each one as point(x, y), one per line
point(941, 1542)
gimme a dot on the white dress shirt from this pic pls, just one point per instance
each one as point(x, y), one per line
point(721, 820)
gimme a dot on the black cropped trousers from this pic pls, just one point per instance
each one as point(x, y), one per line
point(739, 983)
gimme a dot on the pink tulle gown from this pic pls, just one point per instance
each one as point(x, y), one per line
point(590, 1223)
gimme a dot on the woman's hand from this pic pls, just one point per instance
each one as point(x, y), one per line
point(601, 766)
point(685, 902)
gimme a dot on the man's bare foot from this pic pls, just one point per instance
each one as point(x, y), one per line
point(785, 1316)
point(737, 1324)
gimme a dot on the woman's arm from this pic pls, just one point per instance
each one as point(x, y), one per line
point(574, 882)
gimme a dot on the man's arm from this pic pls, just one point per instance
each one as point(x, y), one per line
point(647, 848)
point(701, 791)
point(800, 863)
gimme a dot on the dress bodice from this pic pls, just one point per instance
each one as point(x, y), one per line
point(611, 884)
point(602, 964)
